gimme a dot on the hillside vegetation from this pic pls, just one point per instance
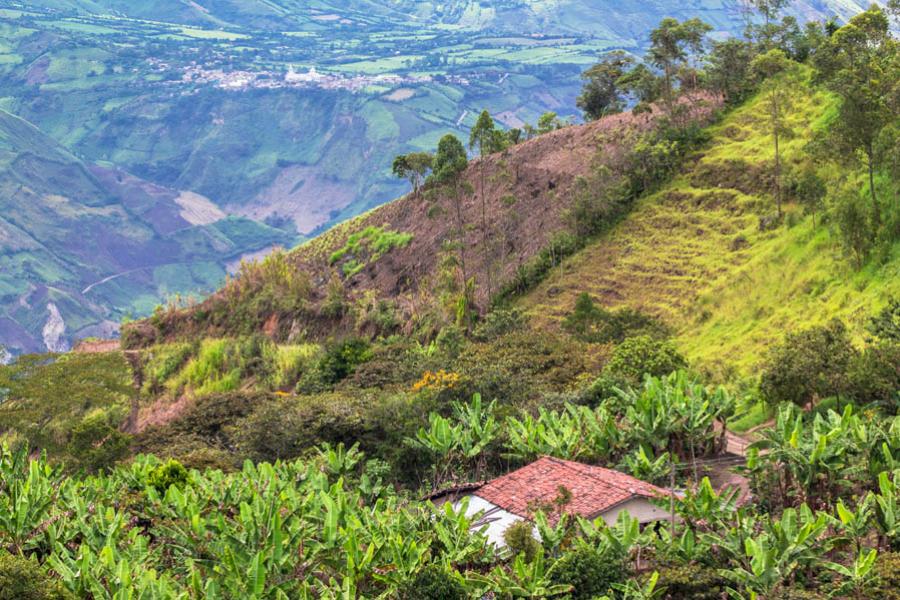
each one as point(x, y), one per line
point(293, 435)
point(698, 253)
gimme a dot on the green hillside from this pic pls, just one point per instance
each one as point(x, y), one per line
point(695, 253)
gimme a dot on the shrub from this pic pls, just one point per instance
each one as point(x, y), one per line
point(589, 571)
point(809, 365)
point(886, 324)
point(285, 428)
point(274, 286)
point(643, 355)
point(597, 325)
point(434, 582)
point(692, 582)
point(339, 361)
point(498, 322)
point(96, 444)
point(888, 569)
point(519, 538)
point(391, 364)
point(519, 367)
point(166, 475)
point(197, 436)
point(874, 375)
point(24, 579)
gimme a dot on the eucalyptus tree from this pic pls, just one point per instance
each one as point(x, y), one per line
point(774, 69)
point(413, 167)
point(484, 136)
point(450, 162)
point(672, 44)
point(601, 94)
point(860, 64)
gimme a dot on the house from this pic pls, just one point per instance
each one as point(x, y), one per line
point(591, 492)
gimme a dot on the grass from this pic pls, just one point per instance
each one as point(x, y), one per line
point(367, 246)
point(694, 255)
point(208, 372)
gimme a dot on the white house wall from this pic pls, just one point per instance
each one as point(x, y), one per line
point(498, 520)
point(638, 508)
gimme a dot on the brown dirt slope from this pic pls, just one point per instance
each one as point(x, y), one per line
point(528, 190)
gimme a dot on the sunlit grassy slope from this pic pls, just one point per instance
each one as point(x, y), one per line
point(695, 255)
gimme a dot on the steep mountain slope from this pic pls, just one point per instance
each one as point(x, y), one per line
point(290, 112)
point(407, 252)
point(698, 255)
point(77, 239)
point(702, 254)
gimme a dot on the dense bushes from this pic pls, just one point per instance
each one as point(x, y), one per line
point(24, 579)
point(809, 365)
point(434, 582)
point(821, 362)
point(47, 397)
point(96, 442)
point(338, 362)
point(591, 323)
point(589, 571)
point(643, 355)
point(692, 582)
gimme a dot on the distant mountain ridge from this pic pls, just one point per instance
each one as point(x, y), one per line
point(612, 18)
point(82, 246)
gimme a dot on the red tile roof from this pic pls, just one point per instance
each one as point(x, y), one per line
point(594, 490)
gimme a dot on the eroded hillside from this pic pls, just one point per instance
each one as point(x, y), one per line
point(406, 254)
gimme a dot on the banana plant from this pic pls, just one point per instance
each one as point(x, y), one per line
point(854, 525)
point(338, 460)
point(780, 550)
point(887, 512)
point(522, 580)
point(28, 491)
point(619, 539)
point(640, 465)
point(704, 509)
point(460, 541)
point(858, 576)
point(632, 590)
point(553, 536)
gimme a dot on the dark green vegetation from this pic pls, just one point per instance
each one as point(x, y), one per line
point(276, 441)
point(216, 99)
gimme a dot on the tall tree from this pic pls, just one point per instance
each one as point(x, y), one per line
point(413, 167)
point(773, 68)
point(860, 64)
point(672, 44)
point(484, 137)
point(728, 65)
point(601, 94)
point(769, 11)
point(450, 161)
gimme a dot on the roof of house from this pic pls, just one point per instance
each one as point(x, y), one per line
point(594, 490)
